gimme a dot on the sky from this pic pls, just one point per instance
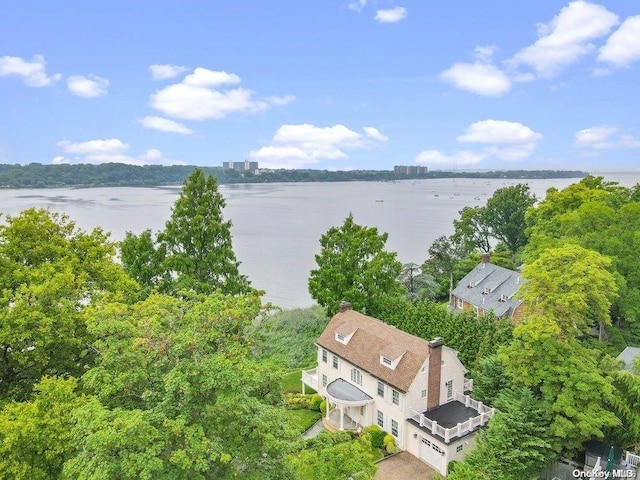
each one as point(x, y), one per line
point(322, 84)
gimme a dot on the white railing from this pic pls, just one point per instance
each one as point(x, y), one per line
point(467, 385)
point(632, 459)
point(484, 414)
point(310, 377)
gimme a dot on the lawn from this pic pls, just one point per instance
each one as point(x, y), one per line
point(291, 383)
point(303, 419)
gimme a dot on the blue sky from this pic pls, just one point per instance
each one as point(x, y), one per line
point(335, 84)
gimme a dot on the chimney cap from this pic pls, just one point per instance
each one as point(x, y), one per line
point(344, 306)
point(436, 342)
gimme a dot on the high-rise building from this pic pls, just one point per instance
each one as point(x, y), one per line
point(245, 166)
point(410, 169)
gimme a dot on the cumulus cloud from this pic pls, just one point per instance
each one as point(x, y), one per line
point(165, 71)
point(392, 15)
point(33, 73)
point(480, 78)
point(500, 139)
point(203, 95)
point(300, 146)
point(603, 137)
point(623, 46)
point(112, 150)
point(90, 86)
point(165, 125)
point(566, 38)
point(358, 5)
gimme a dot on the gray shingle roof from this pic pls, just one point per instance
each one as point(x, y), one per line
point(490, 287)
point(628, 355)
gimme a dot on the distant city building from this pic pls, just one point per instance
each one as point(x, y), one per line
point(245, 166)
point(410, 170)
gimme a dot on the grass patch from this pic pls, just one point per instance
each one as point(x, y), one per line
point(292, 383)
point(303, 420)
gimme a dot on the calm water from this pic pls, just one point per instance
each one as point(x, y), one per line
point(277, 227)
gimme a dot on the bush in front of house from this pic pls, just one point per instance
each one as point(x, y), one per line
point(316, 403)
point(390, 444)
point(297, 401)
point(374, 435)
point(323, 407)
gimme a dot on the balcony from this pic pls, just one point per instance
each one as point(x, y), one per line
point(310, 379)
point(454, 419)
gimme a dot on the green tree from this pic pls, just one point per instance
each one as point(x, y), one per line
point(472, 229)
point(144, 261)
point(419, 285)
point(180, 371)
point(444, 254)
point(353, 265)
point(194, 251)
point(514, 446)
point(572, 285)
point(36, 436)
point(49, 273)
point(505, 215)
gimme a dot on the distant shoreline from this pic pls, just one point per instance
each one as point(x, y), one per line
point(37, 175)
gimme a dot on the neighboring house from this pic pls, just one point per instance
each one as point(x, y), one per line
point(372, 373)
point(488, 287)
point(628, 356)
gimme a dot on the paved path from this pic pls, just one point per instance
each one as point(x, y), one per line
point(315, 430)
point(404, 466)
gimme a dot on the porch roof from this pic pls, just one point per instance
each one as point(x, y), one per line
point(342, 390)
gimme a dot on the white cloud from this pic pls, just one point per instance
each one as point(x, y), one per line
point(33, 73)
point(164, 71)
point(501, 140)
point(498, 132)
point(623, 46)
point(358, 5)
point(90, 86)
point(392, 15)
point(566, 38)
point(200, 96)
point(112, 150)
point(300, 146)
point(164, 125)
point(604, 137)
point(480, 78)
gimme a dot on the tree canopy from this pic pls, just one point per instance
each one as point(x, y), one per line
point(353, 265)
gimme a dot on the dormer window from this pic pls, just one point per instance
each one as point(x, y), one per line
point(340, 338)
point(387, 362)
point(503, 298)
point(486, 291)
point(344, 333)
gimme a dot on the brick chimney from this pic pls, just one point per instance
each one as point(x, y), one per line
point(344, 306)
point(435, 371)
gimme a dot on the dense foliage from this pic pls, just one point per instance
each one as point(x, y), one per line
point(353, 265)
point(36, 175)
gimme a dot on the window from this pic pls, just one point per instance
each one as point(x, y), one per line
point(423, 393)
point(380, 419)
point(394, 428)
point(437, 448)
point(324, 380)
point(449, 386)
point(339, 337)
point(395, 397)
point(386, 361)
point(380, 389)
point(425, 441)
point(324, 356)
point(356, 376)
point(335, 362)
point(460, 303)
point(362, 410)
point(458, 448)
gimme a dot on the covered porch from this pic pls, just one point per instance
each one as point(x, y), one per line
point(347, 406)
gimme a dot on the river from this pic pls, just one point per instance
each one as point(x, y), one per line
point(277, 227)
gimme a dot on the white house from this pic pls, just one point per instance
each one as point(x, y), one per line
point(370, 372)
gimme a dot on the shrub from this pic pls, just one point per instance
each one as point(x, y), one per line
point(374, 435)
point(316, 402)
point(323, 407)
point(296, 401)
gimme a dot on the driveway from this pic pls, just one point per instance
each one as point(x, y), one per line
point(404, 466)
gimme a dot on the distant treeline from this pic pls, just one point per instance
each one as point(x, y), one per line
point(36, 175)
